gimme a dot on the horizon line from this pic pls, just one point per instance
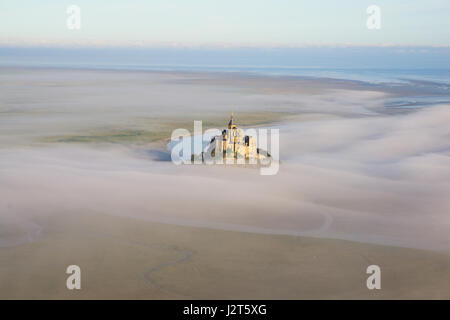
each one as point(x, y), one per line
point(212, 46)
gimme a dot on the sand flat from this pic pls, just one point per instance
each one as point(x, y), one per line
point(122, 258)
point(88, 181)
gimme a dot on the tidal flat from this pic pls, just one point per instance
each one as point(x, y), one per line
point(124, 258)
point(82, 182)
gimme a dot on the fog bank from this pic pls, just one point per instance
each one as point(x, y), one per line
point(382, 179)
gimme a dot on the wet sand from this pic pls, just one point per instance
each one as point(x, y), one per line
point(122, 258)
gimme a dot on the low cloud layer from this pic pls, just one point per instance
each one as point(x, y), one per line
point(349, 169)
point(382, 179)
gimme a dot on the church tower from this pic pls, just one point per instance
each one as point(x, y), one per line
point(234, 146)
point(231, 124)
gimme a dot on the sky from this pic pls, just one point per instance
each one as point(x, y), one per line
point(249, 23)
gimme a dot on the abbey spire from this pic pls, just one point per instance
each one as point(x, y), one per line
point(231, 124)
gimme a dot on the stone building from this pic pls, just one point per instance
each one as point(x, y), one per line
point(235, 146)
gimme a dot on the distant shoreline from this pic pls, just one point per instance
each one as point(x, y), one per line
point(300, 73)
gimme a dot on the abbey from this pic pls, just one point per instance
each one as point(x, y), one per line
point(233, 144)
point(229, 146)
